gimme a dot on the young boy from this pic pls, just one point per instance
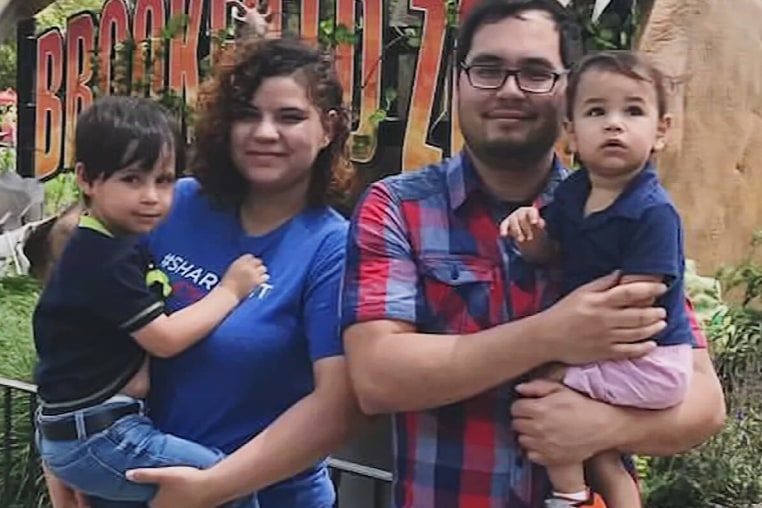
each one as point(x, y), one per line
point(613, 214)
point(102, 311)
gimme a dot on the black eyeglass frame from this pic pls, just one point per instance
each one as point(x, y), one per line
point(515, 74)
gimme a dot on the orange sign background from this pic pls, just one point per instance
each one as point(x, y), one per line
point(422, 128)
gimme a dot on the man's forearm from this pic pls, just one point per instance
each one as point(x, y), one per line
point(413, 371)
point(675, 430)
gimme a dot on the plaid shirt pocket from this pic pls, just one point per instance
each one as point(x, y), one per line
point(458, 293)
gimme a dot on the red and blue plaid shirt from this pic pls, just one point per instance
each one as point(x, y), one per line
point(424, 248)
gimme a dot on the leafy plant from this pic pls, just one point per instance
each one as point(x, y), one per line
point(7, 159)
point(382, 113)
point(331, 35)
point(725, 472)
point(613, 30)
point(60, 192)
point(152, 53)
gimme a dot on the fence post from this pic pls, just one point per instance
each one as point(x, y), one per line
point(26, 96)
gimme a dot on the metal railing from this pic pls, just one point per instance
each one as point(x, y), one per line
point(23, 485)
point(21, 474)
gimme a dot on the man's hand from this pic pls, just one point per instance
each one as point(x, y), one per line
point(557, 425)
point(599, 321)
point(178, 486)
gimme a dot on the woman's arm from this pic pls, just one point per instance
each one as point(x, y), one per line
point(273, 456)
point(292, 443)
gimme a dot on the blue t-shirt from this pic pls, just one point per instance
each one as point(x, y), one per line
point(639, 234)
point(258, 362)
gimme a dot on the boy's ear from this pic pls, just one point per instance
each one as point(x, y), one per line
point(665, 124)
point(83, 183)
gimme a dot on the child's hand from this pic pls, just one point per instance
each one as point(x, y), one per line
point(523, 224)
point(243, 275)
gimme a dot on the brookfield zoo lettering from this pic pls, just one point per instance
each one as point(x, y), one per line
point(395, 68)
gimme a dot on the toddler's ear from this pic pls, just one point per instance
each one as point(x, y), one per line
point(571, 137)
point(665, 124)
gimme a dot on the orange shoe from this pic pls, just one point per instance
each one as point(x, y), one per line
point(595, 501)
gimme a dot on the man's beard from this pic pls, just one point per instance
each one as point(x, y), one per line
point(531, 149)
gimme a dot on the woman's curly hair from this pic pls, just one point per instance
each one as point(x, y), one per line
point(239, 73)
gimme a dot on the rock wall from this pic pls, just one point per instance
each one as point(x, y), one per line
point(712, 49)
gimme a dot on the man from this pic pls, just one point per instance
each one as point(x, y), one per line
point(442, 320)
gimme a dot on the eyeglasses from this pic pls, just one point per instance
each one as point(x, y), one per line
point(490, 77)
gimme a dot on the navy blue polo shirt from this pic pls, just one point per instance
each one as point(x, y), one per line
point(639, 234)
point(95, 299)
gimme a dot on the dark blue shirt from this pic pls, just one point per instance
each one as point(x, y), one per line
point(639, 234)
point(95, 299)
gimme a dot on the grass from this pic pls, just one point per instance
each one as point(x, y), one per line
point(19, 295)
point(25, 488)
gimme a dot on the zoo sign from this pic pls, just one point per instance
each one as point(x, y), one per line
point(424, 132)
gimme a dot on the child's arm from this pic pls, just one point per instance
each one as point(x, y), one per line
point(167, 336)
point(527, 228)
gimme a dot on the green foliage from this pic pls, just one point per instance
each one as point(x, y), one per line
point(25, 488)
point(7, 159)
point(60, 192)
point(19, 295)
point(56, 14)
point(725, 472)
point(610, 31)
point(381, 114)
point(8, 64)
point(331, 35)
point(451, 11)
point(153, 54)
point(747, 276)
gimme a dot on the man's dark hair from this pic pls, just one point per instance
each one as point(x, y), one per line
point(625, 63)
point(119, 132)
point(493, 11)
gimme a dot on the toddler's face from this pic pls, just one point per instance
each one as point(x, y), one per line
point(616, 124)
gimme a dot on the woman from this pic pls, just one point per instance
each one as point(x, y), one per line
point(270, 381)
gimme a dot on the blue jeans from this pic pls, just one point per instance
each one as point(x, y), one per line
point(96, 464)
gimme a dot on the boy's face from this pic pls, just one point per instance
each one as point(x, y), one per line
point(132, 201)
point(616, 124)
